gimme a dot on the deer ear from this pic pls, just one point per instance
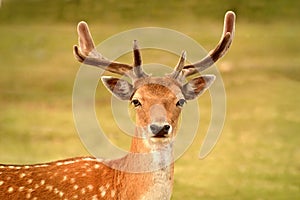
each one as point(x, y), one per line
point(197, 86)
point(118, 87)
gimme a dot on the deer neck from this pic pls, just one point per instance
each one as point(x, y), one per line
point(145, 156)
point(148, 173)
point(157, 155)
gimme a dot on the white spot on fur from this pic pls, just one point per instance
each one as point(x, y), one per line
point(75, 187)
point(83, 191)
point(10, 190)
point(49, 187)
point(22, 175)
point(42, 165)
point(113, 193)
point(29, 181)
point(1, 183)
point(72, 180)
point(21, 189)
point(103, 193)
point(90, 187)
point(95, 197)
point(102, 188)
point(96, 166)
point(56, 191)
point(88, 159)
point(42, 182)
point(69, 162)
point(28, 195)
point(65, 178)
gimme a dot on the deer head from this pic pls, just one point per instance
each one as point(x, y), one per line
point(158, 101)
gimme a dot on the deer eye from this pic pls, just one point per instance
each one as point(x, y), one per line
point(181, 102)
point(136, 103)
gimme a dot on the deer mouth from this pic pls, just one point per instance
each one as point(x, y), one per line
point(161, 134)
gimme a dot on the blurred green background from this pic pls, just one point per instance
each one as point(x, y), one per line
point(257, 156)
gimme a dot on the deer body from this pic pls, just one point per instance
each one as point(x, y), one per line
point(81, 178)
point(147, 171)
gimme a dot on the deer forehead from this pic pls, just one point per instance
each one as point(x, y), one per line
point(157, 88)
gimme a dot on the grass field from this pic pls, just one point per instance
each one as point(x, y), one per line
point(258, 154)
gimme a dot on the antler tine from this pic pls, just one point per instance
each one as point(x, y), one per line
point(137, 66)
point(219, 51)
point(178, 69)
point(87, 53)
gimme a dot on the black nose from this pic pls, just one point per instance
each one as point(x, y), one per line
point(160, 130)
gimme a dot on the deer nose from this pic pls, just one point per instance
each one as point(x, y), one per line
point(160, 130)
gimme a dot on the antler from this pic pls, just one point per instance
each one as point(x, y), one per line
point(178, 69)
point(218, 52)
point(138, 70)
point(87, 53)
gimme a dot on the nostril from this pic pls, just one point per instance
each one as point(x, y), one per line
point(154, 128)
point(166, 128)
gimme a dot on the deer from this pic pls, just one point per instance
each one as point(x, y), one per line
point(157, 101)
